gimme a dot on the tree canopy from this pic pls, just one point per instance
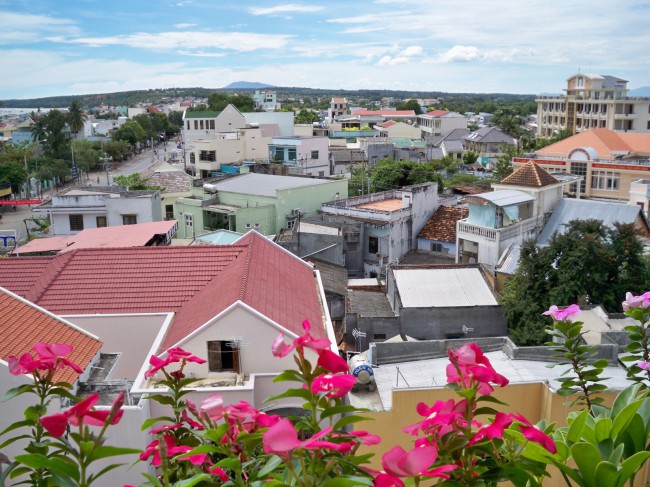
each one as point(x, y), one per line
point(410, 105)
point(217, 101)
point(589, 261)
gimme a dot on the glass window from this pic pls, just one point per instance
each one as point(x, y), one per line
point(101, 221)
point(373, 245)
point(292, 155)
point(189, 221)
point(129, 219)
point(605, 180)
point(223, 356)
point(76, 222)
point(314, 154)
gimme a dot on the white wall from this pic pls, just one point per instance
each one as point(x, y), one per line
point(129, 335)
point(61, 221)
point(147, 209)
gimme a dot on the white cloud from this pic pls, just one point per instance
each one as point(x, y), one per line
point(26, 28)
point(170, 41)
point(286, 8)
point(412, 51)
point(184, 25)
point(460, 54)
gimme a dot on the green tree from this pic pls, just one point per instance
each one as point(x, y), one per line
point(76, 117)
point(410, 105)
point(306, 116)
point(217, 101)
point(86, 154)
point(131, 132)
point(13, 173)
point(503, 167)
point(509, 122)
point(470, 157)
point(588, 260)
point(135, 182)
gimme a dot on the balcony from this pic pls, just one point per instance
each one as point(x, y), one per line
point(504, 233)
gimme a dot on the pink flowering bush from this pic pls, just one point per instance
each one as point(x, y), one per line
point(469, 440)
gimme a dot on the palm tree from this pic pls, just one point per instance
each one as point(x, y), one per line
point(38, 128)
point(76, 117)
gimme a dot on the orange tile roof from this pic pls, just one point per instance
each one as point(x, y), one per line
point(442, 224)
point(24, 324)
point(530, 175)
point(436, 113)
point(386, 113)
point(392, 204)
point(603, 141)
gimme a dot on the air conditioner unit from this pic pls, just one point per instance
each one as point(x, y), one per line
point(295, 212)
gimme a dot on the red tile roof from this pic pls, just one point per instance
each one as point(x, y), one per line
point(530, 175)
point(24, 324)
point(442, 224)
point(386, 113)
point(436, 113)
point(196, 282)
point(268, 279)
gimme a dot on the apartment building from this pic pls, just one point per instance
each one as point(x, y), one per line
point(592, 101)
point(438, 122)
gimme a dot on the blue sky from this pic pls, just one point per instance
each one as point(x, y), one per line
point(62, 47)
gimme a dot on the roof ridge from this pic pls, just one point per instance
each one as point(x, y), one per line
point(247, 265)
point(49, 275)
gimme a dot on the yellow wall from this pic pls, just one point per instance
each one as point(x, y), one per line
point(533, 400)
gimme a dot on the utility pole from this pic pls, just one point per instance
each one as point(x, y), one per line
point(27, 192)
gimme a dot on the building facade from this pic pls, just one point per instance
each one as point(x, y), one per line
point(592, 101)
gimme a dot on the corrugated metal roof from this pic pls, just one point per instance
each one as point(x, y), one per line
point(264, 184)
point(505, 197)
point(571, 209)
point(443, 288)
point(509, 260)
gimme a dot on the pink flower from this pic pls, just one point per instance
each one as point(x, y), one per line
point(282, 439)
point(82, 413)
point(366, 438)
point(332, 362)
point(644, 365)
point(334, 385)
point(400, 463)
point(173, 355)
point(534, 434)
point(562, 314)
point(172, 449)
point(441, 417)
point(281, 349)
point(50, 356)
point(642, 301)
point(468, 364)
point(494, 430)
point(219, 472)
point(212, 407)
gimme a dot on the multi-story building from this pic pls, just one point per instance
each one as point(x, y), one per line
point(438, 122)
point(592, 101)
point(302, 154)
point(338, 107)
point(266, 100)
point(608, 161)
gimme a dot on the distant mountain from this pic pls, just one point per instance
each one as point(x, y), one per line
point(246, 85)
point(643, 91)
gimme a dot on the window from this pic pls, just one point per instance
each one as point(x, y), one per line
point(169, 212)
point(436, 247)
point(223, 356)
point(314, 154)
point(248, 225)
point(606, 180)
point(373, 245)
point(201, 124)
point(208, 155)
point(189, 221)
point(212, 124)
point(101, 221)
point(291, 156)
point(579, 169)
point(196, 125)
point(379, 336)
point(76, 222)
point(257, 225)
point(192, 158)
point(188, 125)
point(129, 219)
point(290, 224)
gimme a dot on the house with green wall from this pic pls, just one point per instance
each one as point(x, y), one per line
point(264, 202)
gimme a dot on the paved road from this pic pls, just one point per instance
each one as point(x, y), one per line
point(142, 161)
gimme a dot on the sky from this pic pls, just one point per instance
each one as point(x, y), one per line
point(71, 47)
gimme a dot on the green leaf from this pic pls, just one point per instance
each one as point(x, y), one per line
point(624, 417)
point(348, 420)
point(577, 426)
point(270, 465)
point(302, 393)
point(340, 410)
point(16, 425)
point(625, 397)
point(16, 391)
point(586, 456)
point(162, 399)
point(154, 480)
point(490, 399)
point(602, 429)
point(289, 375)
point(607, 474)
point(192, 481)
point(151, 421)
point(112, 451)
point(55, 465)
point(346, 481)
point(103, 471)
point(485, 411)
point(13, 439)
point(631, 465)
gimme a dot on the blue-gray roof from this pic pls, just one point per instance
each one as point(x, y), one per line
point(571, 209)
point(265, 184)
